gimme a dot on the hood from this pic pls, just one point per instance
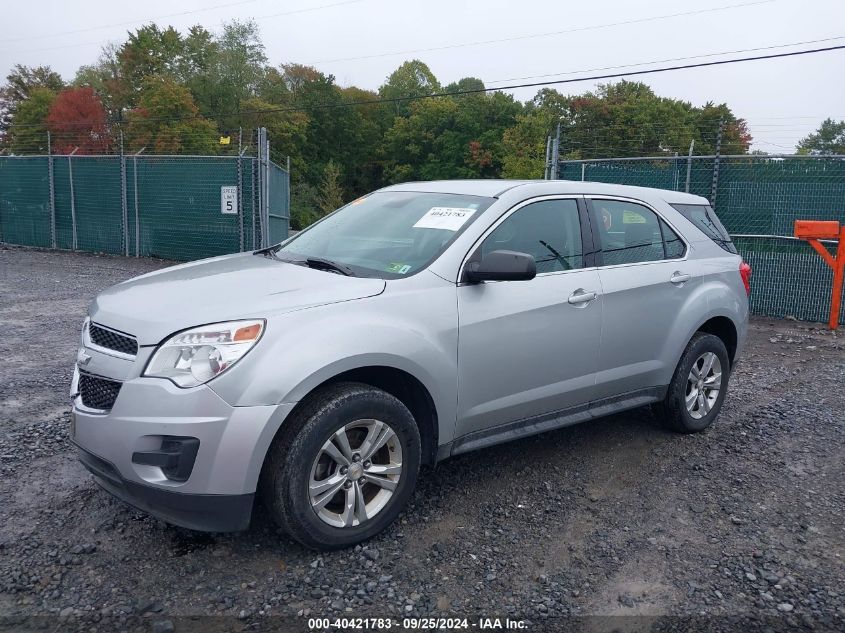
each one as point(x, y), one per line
point(155, 305)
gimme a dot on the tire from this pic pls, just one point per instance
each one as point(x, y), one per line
point(311, 456)
point(706, 406)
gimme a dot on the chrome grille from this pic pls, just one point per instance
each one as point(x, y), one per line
point(110, 339)
point(97, 392)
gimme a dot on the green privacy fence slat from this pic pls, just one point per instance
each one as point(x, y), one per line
point(758, 196)
point(278, 201)
point(25, 201)
point(96, 203)
point(164, 206)
point(788, 279)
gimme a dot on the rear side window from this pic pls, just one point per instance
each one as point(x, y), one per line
point(703, 216)
point(674, 245)
point(630, 233)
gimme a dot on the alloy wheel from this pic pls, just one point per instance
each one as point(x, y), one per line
point(703, 385)
point(355, 473)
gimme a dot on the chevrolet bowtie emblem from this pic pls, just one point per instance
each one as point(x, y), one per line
point(82, 358)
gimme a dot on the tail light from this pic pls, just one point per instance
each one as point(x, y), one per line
point(745, 273)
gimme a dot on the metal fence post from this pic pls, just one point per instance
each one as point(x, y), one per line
point(689, 164)
point(264, 185)
point(51, 177)
point(547, 160)
point(124, 206)
point(256, 196)
point(240, 192)
point(261, 178)
point(715, 185)
point(583, 171)
point(73, 243)
point(287, 200)
point(135, 192)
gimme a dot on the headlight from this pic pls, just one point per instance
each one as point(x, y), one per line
point(194, 357)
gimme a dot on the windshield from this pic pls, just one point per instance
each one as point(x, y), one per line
point(388, 234)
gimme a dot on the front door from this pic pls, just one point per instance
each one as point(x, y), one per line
point(526, 348)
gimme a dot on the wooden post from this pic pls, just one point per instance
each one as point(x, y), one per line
point(815, 231)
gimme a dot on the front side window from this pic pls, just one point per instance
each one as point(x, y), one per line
point(630, 233)
point(388, 234)
point(549, 230)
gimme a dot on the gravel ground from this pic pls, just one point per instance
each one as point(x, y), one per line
point(616, 517)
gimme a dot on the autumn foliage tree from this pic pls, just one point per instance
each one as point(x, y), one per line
point(167, 121)
point(77, 119)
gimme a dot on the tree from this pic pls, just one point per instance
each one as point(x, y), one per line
point(465, 84)
point(304, 203)
point(287, 131)
point(105, 78)
point(447, 137)
point(149, 51)
point(412, 79)
point(828, 139)
point(331, 192)
point(736, 139)
point(621, 119)
point(524, 145)
point(330, 124)
point(363, 166)
point(28, 132)
point(168, 121)
point(77, 120)
point(20, 84)
point(234, 71)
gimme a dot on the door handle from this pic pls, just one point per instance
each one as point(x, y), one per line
point(581, 297)
point(678, 278)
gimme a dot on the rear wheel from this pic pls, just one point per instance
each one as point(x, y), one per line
point(346, 469)
point(699, 385)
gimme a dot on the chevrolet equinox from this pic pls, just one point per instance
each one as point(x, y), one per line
point(421, 321)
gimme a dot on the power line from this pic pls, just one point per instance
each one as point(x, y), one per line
point(127, 23)
point(673, 59)
point(546, 34)
point(471, 91)
point(100, 42)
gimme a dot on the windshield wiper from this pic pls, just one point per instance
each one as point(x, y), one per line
point(318, 263)
point(327, 264)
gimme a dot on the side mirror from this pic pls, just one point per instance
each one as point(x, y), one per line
point(502, 266)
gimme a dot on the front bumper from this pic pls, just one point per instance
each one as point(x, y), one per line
point(210, 513)
point(216, 492)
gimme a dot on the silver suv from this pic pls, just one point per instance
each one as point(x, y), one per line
point(421, 321)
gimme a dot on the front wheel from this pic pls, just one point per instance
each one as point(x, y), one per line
point(699, 385)
point(348, 470)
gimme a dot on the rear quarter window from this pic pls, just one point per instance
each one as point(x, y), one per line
point(703, 216)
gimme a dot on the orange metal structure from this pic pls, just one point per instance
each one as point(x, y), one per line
point(815, 230)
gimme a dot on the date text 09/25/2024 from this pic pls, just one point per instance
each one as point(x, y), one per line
point(375, 624)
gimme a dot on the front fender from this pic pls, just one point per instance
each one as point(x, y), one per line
point(302, 350)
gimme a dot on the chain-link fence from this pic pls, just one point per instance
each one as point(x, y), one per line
point(173, 207)
point(758, 199)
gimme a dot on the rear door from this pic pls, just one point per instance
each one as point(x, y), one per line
point(527, 348)
point(645, 279)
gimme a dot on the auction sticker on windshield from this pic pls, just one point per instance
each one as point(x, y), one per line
point(448, 218)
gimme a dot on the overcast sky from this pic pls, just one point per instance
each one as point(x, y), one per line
point(782, 99)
